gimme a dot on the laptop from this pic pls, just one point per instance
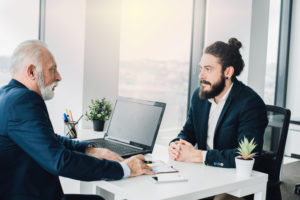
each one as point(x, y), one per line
point(133, 127)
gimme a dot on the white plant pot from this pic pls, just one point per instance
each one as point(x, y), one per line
point(244, 167)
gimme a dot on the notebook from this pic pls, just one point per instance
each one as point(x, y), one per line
point(133, 127)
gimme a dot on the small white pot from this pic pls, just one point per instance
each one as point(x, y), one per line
point(244, 167)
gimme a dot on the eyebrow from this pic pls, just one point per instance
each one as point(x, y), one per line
point(53, 67)
point(206, 66)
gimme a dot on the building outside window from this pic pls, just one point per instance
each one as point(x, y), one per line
point(155, 48)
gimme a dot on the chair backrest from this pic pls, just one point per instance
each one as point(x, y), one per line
point(274, 142)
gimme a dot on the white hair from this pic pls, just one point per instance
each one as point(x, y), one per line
point(28, 52)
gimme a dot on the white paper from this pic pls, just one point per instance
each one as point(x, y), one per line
point(166, 178)
point(158, 167)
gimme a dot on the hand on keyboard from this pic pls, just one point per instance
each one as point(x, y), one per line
point(138, 166)
point(102, 153)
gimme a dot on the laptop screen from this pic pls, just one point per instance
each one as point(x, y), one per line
point(135, 120)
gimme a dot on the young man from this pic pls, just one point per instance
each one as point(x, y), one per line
point(223, 111)
point(32, 156)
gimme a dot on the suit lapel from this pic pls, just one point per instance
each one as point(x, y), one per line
point(204, 124)
point(235, 90)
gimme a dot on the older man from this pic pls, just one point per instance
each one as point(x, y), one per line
point(32, 156)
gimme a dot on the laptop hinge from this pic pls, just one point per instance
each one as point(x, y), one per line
point(123, 142)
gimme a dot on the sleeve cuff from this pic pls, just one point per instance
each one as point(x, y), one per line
point(126, 169)
point(204, 155)
point(82, 146)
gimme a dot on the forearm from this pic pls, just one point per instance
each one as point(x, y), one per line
point(72, 144)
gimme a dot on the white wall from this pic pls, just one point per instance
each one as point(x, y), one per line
point(84, 37)
point(102, 49)
point(293, 95)
point(230, 18)
point(258, 46)
point(64, 34)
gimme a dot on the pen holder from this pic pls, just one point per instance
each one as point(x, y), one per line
point(70, 129)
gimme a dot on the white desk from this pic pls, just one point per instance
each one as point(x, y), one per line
point(203, 181)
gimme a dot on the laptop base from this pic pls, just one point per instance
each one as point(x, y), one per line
point(122, 150)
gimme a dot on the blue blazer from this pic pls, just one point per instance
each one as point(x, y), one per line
point(244, 114)
point(32, 156)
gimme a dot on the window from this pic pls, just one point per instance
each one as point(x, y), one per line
point(19, 21)
point(273, 37)
point(293, 95)
point(154, 57)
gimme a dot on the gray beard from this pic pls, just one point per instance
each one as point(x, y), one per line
point(46, 91)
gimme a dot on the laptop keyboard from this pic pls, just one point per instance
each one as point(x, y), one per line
point(115, 147)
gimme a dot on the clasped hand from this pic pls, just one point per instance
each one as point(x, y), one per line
point(185, 152)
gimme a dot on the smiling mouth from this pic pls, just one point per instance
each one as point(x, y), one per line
point(204, 82)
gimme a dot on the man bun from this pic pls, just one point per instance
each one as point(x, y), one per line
point(234, 43)
point(229, 54)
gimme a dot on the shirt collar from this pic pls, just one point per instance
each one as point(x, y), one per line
point(16, 83)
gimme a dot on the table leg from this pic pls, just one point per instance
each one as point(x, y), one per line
point(260, 195)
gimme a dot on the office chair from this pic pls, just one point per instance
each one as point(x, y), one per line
point(297, 186)
point(297, 189)
point(270, 160)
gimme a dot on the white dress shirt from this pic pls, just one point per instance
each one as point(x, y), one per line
point(214, 114)
point(126, 169)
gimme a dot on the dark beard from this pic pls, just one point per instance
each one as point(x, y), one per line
point(216, 89)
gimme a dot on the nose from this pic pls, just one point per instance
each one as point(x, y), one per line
point(58, 77)
point(201, 75)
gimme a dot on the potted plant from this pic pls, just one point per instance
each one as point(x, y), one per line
point(245, 161)
point(99, 112)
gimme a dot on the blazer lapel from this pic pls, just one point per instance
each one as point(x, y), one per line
point(204, 124)
point(235, 90)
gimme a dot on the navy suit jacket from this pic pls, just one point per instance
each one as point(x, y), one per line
point(32, 156)
point(244, 114)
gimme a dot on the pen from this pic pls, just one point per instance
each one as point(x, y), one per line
point(71, 116)
point(65, 117)
point(78, 119)
point(68, 115)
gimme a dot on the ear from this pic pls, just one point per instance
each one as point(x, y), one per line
point(31, 72)
point(229, 71)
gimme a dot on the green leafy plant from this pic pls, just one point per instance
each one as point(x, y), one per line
point(245, 149)
point(99, 110)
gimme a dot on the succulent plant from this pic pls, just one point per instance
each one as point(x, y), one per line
point(245, 149)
